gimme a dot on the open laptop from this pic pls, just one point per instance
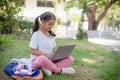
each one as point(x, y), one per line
point(62, 52)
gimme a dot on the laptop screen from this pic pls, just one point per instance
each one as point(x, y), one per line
point(63, 52)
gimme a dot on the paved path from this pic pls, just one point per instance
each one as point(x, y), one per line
point(112, 44)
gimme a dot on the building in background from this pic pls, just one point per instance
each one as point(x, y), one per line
point(34, 8)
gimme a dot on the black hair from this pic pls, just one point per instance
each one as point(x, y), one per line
point(46, 16)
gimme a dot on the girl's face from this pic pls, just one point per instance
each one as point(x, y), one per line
point(47, 25)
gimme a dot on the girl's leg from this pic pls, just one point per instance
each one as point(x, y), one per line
point(65, 62)
point(44, 62)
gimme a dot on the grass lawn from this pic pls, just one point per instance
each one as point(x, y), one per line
point(92, 62)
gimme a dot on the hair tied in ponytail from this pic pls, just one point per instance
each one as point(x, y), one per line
point(52, 33)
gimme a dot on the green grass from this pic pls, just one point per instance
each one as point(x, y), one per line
point(92, 62)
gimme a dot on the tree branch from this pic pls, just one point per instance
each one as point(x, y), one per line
point(108, 5)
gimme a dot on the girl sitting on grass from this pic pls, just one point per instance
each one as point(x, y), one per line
point(42, 47)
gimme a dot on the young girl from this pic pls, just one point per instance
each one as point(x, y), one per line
point(42, 47)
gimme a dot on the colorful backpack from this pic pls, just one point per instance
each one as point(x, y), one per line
point(9, 69)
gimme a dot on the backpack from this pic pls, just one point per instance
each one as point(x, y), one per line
point(9, 69)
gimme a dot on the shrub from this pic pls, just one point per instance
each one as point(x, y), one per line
point(25, 26)
point(5, 41)
point(81, 34)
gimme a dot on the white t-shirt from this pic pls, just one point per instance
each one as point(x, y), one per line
point(42, 43)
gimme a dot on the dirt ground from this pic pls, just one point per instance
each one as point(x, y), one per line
point(86, 73)
point(4, 76)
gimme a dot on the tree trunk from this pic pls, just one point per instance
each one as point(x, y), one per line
point(91, 11)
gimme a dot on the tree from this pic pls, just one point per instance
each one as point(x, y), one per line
point(8, 10)
point(91, 10)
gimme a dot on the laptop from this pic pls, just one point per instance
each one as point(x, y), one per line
point(62, 52)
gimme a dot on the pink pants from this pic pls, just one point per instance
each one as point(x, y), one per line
point(54, 66)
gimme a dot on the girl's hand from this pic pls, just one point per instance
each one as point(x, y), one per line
point(49, 55)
